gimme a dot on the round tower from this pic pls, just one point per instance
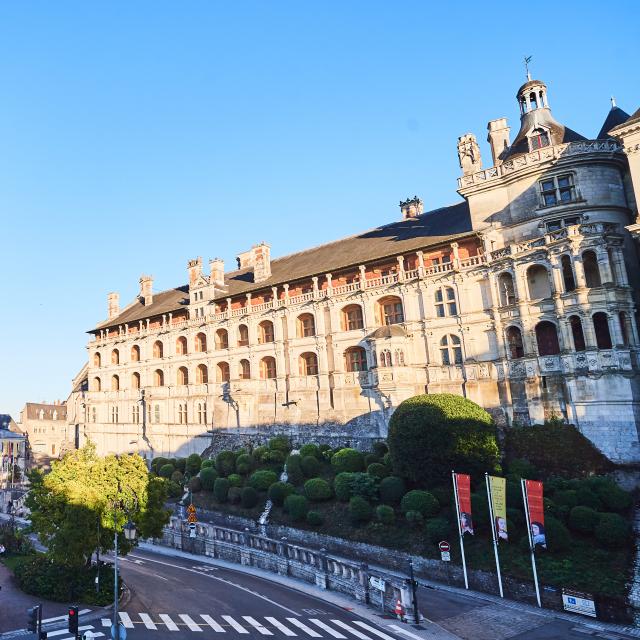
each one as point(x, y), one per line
point(532, 95)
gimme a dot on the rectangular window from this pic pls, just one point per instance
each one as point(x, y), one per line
point(557, 190)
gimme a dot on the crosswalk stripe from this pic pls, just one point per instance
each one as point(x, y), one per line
point(60, 632)
point(280, 627)
point(125, 619)
point(212, 623)
point(398, 629)
point(310, 632)
point(188, 620)
point(256, 625)
point(327, 628)
point(377, 632)
point(64, 617)
point(106, 622)
point(171, 625)
point(238, 627)
point(351, 630)
point(148, 622)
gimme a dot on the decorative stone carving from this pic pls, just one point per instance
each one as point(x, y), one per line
point(469, 154)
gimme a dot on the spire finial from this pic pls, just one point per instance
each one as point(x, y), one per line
point(527, 60)
point(613, 103)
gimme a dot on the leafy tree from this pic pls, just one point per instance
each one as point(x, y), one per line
point(280, 443)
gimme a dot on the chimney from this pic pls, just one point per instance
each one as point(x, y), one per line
point(258, 258)
point(195, 270)
point(146, 290)
point(411, 207)
point(113, 304)
point(498, 139)
point(217, 272)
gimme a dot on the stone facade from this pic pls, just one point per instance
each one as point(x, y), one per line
point(47, 430)
point(521, 298)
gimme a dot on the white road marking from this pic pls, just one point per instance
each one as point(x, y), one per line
point(398, 629)
point(278, 625)
point(125, 619)
point(256, 625)
point(60, 632)
point(80, 613)
point(106, 622)
point(377, 632)
point(327, 628)
point(157, 575)
point(148, 622)
point(171, 625)
point(212, 623)
point(351, 630)
point(188, 620)
point(238, 627)
point(307, 630)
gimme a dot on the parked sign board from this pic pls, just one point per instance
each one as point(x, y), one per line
point(578, 602)
point(377, 583)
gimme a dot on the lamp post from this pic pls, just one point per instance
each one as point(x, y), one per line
point(130, 535)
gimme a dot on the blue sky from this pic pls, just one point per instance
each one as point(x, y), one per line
point(137, 135)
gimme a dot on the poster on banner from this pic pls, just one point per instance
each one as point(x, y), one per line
point(535, 507)
point(463, 490)
point(578, 602)
point(499, 505)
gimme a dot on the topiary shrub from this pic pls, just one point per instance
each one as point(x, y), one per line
point(444, 495)
point(431, 434)
point(380, 448)
point(583, 519)
point(280, 443)
point(342, 486)
point(208, 475)
point(174, 490)
point(225, 463)
point(207, 463)
point(296, 506)
point(244, 464)
point(262, 480)
point(414, 518)
point(359, 509)
point(260, 452)
point(235, 480)
point(275, 458)
point(391, 490)
point(348, 460)
point(294, 469)
point(522, 469)
point(438, 529)
point(177, 476)
point(386, 460)
point(249, 497)
point(587, 498)
point(310, 466)
point(568, 497)
point(612, 496)
point(278, 492)
point(558, 538)
point(370, 458)
point(314, 518)
point(195, 484)
point(234, 495)
point(157, 463)
point(317, 490)
point(385, 514)
point(310, 450)
point(421, 501)
point(364, 485)
point(166, 471)
point(378, 470)
point(180, 464)
point(221, 489)
point(612, 530)
point(193, 464)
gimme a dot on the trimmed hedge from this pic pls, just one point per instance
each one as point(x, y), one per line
point(421, 501)
point(278, 492)
point(195, 484)
point(612, 530)
point(385, 514)
point(235, 480)
point(166, 470)
point(249, 497)
point(280, 443)
point(378, 470)
point(234, 495)
point(221, 489)
point(294, 469)
point(225, 463)
point(208, 475)
point(342, 486)
point(438, 529)
point(317, 490)
point(583, 519)
point(193, 464)
point(244, 464)
point(359, 509)
point(310, 450)
point(311, 467)
point(177, 476)
point(296, 506)
point(349, 460)
point(314, 518)
point(364, 485)
point(262, 480)
point(391, 490)
point(414, 518)
point(207, 463)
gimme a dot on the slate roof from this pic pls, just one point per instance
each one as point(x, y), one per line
point(34, 408)
point(633, 119)
point(615, 117)
point(430, 229)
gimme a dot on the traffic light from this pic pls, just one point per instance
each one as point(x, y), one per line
point(73, 620)
point(34, 618)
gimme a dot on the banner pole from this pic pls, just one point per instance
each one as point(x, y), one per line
point(493, 531)
point(464, 562)
point(525, 498)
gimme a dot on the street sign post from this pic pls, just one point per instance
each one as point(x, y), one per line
point(445, 551)
point(377, 583)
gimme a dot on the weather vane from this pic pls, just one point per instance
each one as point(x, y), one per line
point(527, 60)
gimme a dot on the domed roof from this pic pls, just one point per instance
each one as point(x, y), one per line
point(388, 331)
point(529, 85)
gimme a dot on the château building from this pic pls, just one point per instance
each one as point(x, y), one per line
point(520, 297)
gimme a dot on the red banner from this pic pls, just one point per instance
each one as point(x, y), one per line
point(463, 494)
point(535, 507)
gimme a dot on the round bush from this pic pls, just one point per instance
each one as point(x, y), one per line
point(391, 490)
point(587, 498)
point(359, 509)
point(378, 470)
point(280, 443)
point(386, 460)
point(310, 450)
point(207, 463)
point(180, 464)
point(244, 464)
point(249, 497)
point(208, 475)
point(364, 485)
point(259, 453)
point(157, 463)
point(421, 501)
point(414, 518)
point(438, 529)
point(278, 492)
point(225, 463)
point(195, 484)
point(235, 480)
point(385, 514)
point(342, 486)
point(558, 538)
point(262, 480)
point(612, 530)
point(310, 466)
point(317, 489)
point(314, 518)
point(444, 495)
point(166, 470)
point(583, 519)
point(370, 458)
point(431, 434)
point(294, 469)
point(613, 497)
point(296, 506)
point(177, 476)
point(380, 448)
point(568, 497)
point(274, 457)
point(221, 489)
point(234, 495)
point(347, 460)
point(193, 464)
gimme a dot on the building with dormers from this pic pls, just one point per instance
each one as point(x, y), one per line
point(520, 297)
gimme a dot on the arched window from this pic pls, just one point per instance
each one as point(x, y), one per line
point(390, 310)
point(352, 317)
point(306, 326)
point(158, 378)
point(268, 367)
point(450, 350)
point(135, 380)
point(547, 338)
point(538, 282)
point(181, 346)
point(97, 359)
point(601, 327)
point(308, 364)
point(591, 269)
point(243, 335)
point(222, 339)
point(385, 358)
point(355, 359)
point(222, 372)
point(576, 332)
point(135, 353)
point(97, 384)
point(265, 332)
point(183, 376)
point(622, 318)
point(506, 289)
point(533, 100)
point(202, 374)
point(399, 357)
point(514, 343)
point(158, 349)
point(539, 138)
point(201, 343)
point(245, 369)
point(115, 383)
point(445, 301)
point(115, 357)
point(567, 273)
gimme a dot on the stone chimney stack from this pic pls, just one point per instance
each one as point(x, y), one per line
point(195, 270)
point(146, 290)
point(258, 258)
point(113, 304)
point(411, 207)
point(217, 272)
point(498, 139)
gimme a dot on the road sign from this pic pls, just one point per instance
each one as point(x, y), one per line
point(121, 629)
point(579, 602)
point(444, 546)
point(446, 556)
point(377, 583)
point(191, 509)
point(192, 518)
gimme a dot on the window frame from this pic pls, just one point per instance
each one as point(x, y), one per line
point(556, 190)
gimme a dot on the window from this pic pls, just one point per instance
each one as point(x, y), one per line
point(265, 332)
point(97, 360)
point(601, 327)
point(97, 384)
point(202, 374)
point(450, 350)
point(352, 318)
point(399, 357)
point(538, 282)
point(243, 335)
point(576, 332)
point(135, 353)
point(115, 357)
point(156, 414)
point(547, 338)
point(201, 343)
point(181, 346)
point(567, 273)
point(245, 369)
point(202, 413)
point(53, 449)
point(306, 326)
point(158, 378)
point(506, 289)
point(135, 413)
point(222, 339)
point(94, 414)
point(308, 364)
point(622, 318)
point(268, 367)
point(222, 372)
point(445, 301)
point(385, 358)
point(539, 138)
point(557, 190)
point(355, 359)
point(182, 413)
point(591, 269)
point(183, 376)
point(158, 349)
point(514, 343)
point(114, 414)
point(554, 225)
point(391, 311)
point(115, 383)
point(135, 380)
